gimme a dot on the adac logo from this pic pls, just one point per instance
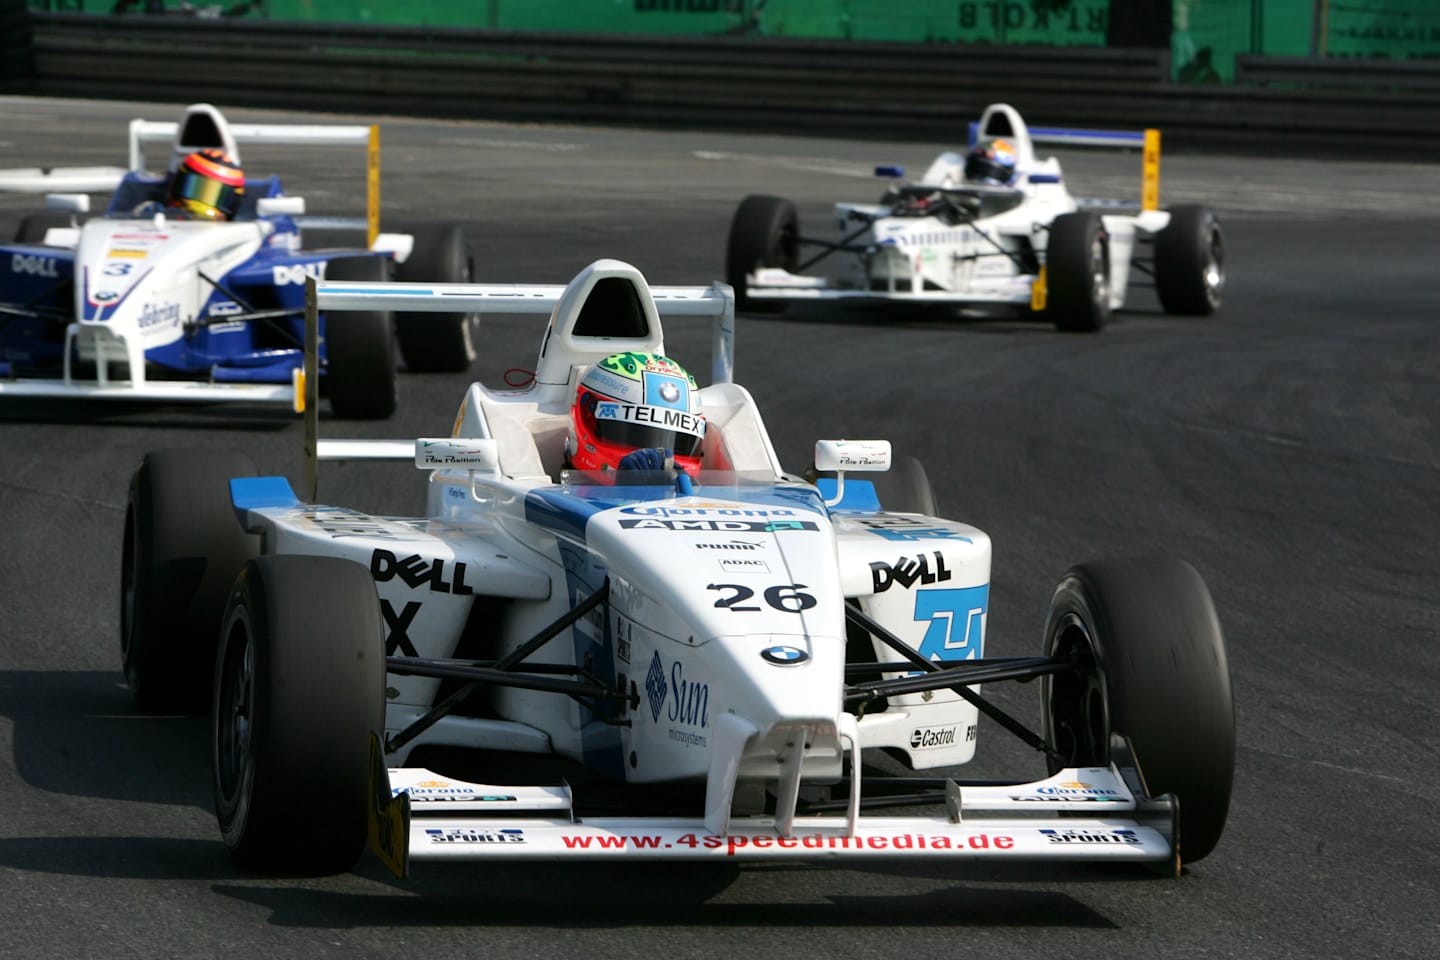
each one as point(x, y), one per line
point(783, 656)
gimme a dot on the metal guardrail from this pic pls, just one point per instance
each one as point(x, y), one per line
point(1330, 72)
point(890, 90)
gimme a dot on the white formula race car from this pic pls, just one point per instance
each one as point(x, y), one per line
point(1027, 247)
point(719, 657)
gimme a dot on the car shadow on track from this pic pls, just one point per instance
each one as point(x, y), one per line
point(607, 896)
point(80, 734)
point(929, 317)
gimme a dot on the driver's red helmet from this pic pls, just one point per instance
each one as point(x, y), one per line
point(208, 185)
point(630, 401)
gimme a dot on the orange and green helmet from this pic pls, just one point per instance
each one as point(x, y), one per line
point(630, 401)
point(208, 184)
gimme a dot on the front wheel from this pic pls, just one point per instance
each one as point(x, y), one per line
point(1155, 670)
point(765, 232)
point(360, 348)
point(1190, 262)
point(1077, 271)
point(299, 691)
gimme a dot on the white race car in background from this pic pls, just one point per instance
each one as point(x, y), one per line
point(715, 660)
point(1030, 246)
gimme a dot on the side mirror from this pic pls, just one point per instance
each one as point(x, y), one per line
point(842, 455)
point(894, 171)
point(280, 206)
point(67, 202)
point(462, 453)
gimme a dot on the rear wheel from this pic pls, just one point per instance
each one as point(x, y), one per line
point(765, 232)
point(299, 691)
point(437, 342)
point(34, 226)
point(360, 348)
point(1077, 272)
point(1158, 674)
point(1190, 262)
point(183, 547)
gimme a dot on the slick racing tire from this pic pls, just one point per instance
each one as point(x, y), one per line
point(299, 691)
point(183, 547)
point(437, 342)
point(1160, 677)
point(765, 232)
point(905, 488)
point(1077, 271)
point(360, 349)
point(1190, 262)
point(34, 226)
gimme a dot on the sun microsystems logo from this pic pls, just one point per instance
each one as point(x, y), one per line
point(655, 687)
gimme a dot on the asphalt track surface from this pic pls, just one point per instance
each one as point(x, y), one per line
point(1288, 447)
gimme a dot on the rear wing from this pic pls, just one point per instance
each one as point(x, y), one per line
point(144, 132)
point(1001, 120)
point(715, 303)
point(149, 132)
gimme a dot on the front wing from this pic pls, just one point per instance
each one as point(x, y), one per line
point(1088, 813)
point(773, 283)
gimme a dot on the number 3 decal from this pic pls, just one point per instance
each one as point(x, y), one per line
point(787, 598)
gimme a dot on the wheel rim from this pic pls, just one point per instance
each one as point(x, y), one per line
point(1213, 272)
point(234, 716)
point(1099, 272)
point(1077, 719)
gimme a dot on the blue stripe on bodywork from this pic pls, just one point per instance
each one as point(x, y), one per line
point(860, 495)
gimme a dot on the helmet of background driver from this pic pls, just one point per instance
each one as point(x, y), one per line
point(991, 162)
point(208, 185)
point(630, 401)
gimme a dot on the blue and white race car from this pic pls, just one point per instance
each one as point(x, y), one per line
point(144, 303)
point(700, 661)
point(992, 230)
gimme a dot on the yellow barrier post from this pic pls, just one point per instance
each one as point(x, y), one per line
point(1150, 181)
point(372, 187)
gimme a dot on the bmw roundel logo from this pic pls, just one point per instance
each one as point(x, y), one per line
point(785, 656)
point(669, 392)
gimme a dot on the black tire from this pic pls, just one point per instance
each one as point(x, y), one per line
point(437, 342)
point(1077, 270)
point(33, 226)
point(765, 232)
point(905, 488)
point(360, 349)
point(299, 690)
point(1190, 262)
point(1161, 678)
point(183, 548)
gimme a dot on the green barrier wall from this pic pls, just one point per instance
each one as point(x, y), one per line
point(1205, 36)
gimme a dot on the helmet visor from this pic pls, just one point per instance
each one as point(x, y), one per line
point(980, 168)
point(637, 426)
point(205, 190)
